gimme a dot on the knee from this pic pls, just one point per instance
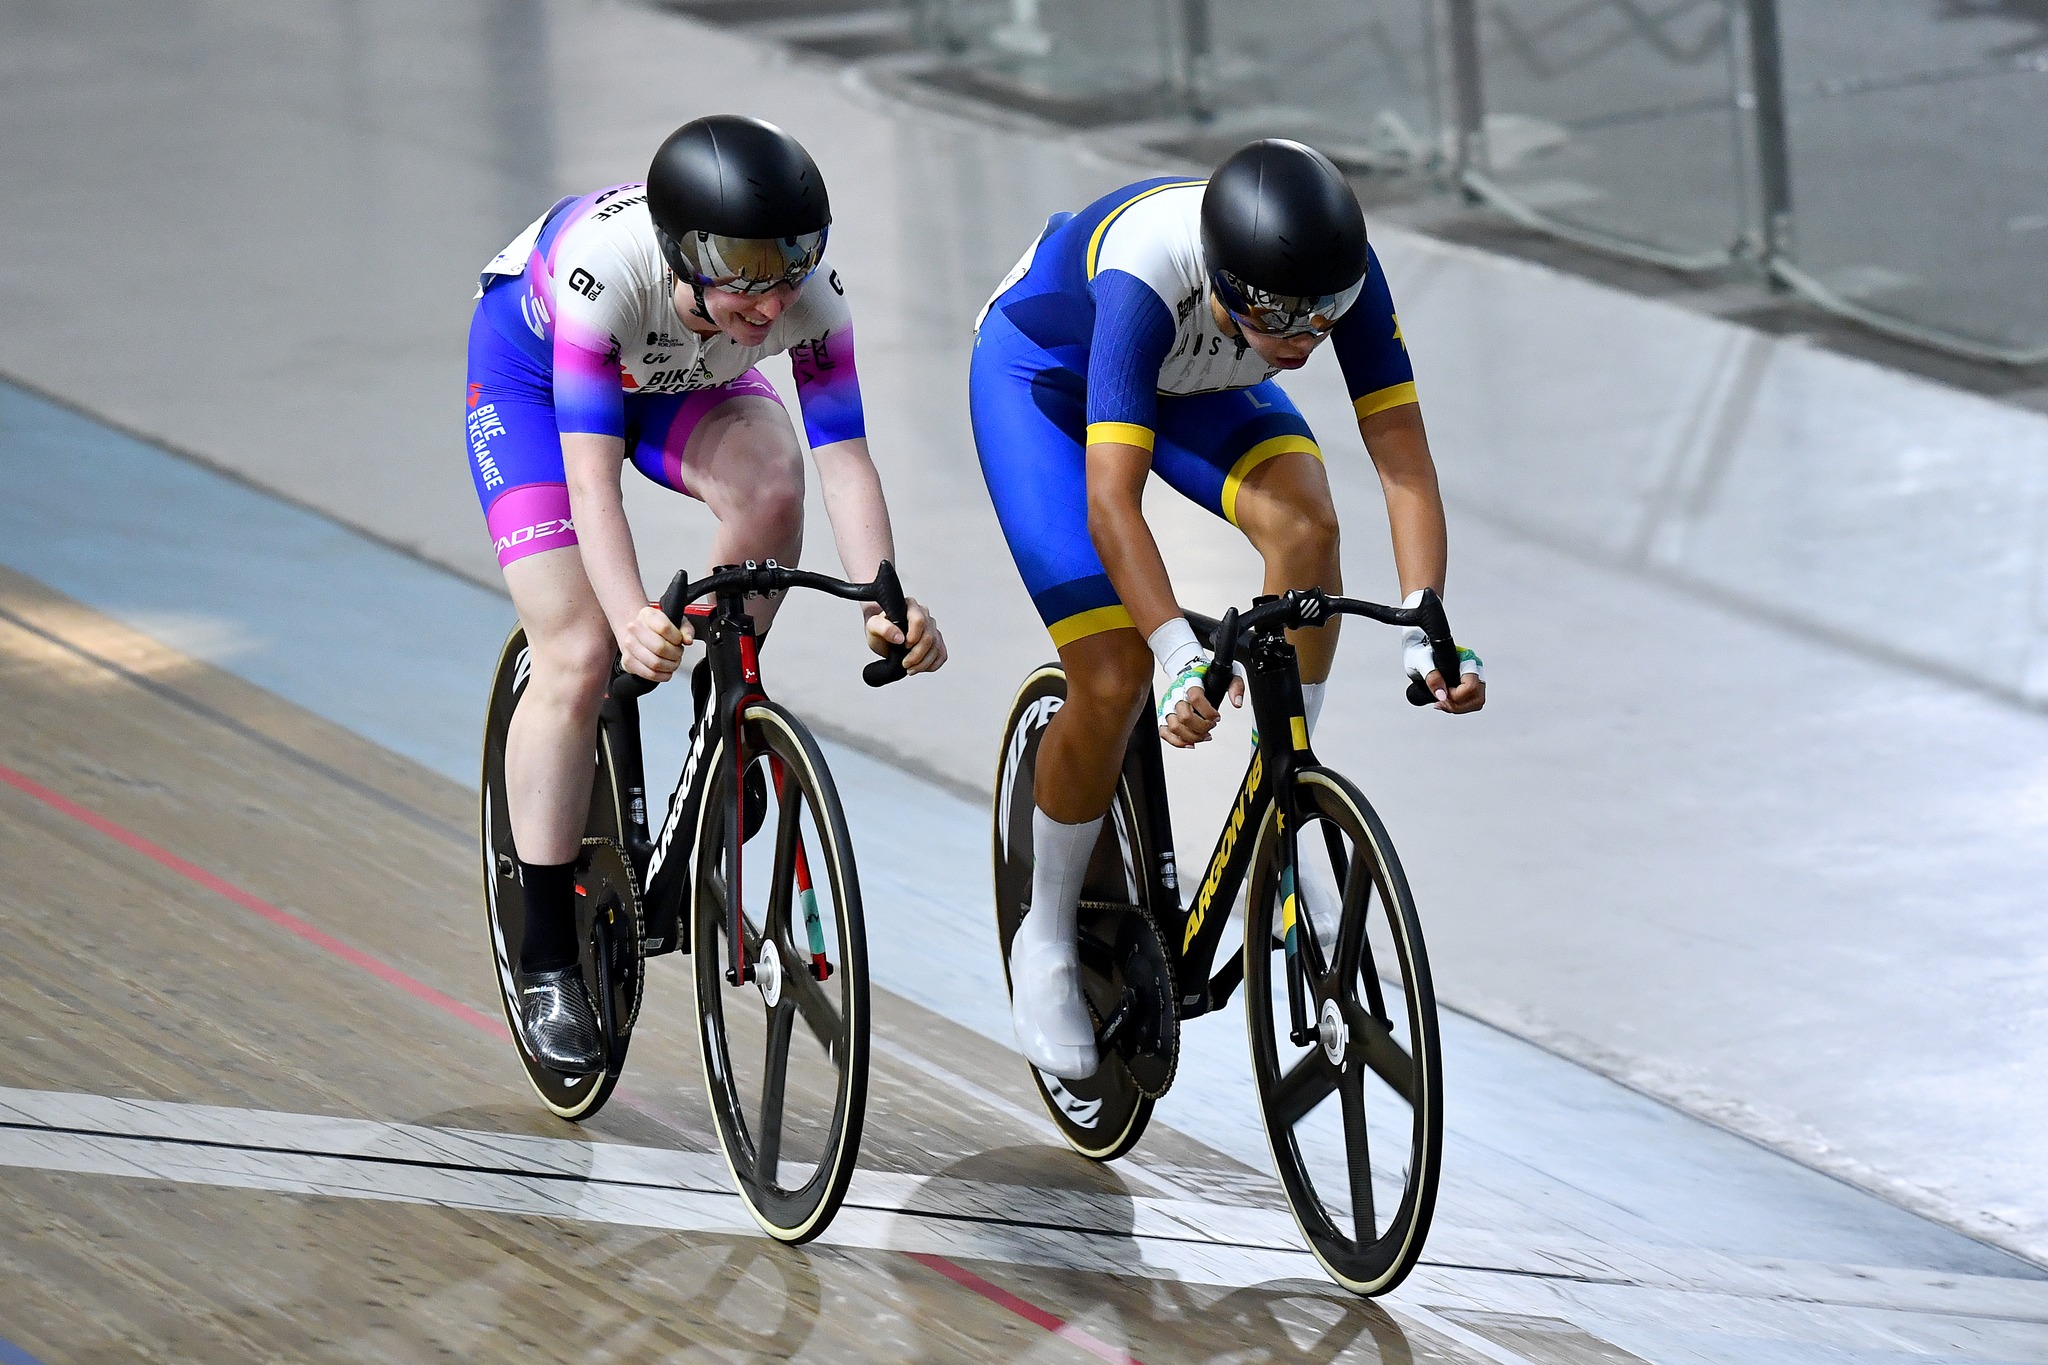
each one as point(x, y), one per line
point(1114, 680)
point(777, 504)
point(1304, 533)
point(572, 668)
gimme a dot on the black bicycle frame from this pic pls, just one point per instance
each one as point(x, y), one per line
point(732, 647)
point(1283, 750)
point(1195, 931)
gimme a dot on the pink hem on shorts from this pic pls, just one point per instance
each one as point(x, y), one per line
point(530, 519)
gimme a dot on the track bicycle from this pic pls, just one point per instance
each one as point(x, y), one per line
point(751, 873)
point(1338, 1001)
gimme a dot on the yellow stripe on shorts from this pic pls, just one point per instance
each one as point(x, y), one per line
point(1252, 459)
point(1082, 624)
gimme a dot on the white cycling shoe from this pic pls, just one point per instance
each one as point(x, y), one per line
point(1047, 1008)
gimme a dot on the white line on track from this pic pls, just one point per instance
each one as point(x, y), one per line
point(1217, 1244)
point(635, 1186)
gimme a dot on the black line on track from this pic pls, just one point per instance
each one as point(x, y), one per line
point(940, 1216)
point(514, 1172)
point(165, 692)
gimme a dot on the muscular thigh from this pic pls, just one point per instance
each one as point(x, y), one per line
point(515, 452)
point(1029, 417)
point(1211, 446)
point(714, 443)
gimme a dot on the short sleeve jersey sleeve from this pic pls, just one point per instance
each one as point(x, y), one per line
point(1370, 348)
point(820, 342)
point(1141, 264)
point(596, 303)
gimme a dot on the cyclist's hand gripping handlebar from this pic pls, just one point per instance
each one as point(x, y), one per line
point(626, 685)
point(1443, 652)
point(1312, 607)
point(889, 596)
point(1222, 660)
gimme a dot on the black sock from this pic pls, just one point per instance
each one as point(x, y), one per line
point(550, 941)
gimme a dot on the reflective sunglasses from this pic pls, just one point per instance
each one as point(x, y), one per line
point(750, 265)
point(1283, 315)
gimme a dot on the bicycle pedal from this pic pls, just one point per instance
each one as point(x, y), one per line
point(821, 970)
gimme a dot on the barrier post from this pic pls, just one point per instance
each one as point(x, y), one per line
point(1467, 89)
point(1773, 147)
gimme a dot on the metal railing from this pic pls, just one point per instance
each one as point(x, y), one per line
point(1880, 158)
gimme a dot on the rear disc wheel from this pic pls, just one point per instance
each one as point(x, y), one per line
point(609, 917)
point(1101, 1116)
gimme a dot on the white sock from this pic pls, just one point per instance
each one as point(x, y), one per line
point(1047, 1007)
point(1312, 702)
point(1059, 855)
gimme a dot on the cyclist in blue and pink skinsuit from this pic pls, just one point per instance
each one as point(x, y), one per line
point(626, 325)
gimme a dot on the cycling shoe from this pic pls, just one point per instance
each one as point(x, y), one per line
point(559, 1021)
point(1047, 1008)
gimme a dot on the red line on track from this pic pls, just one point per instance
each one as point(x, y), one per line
point(420, 990)
point(1030, 1312)
point(227, 890)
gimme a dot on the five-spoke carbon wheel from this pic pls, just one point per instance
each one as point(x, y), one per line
point(785, 1053)
point(1354, 1109)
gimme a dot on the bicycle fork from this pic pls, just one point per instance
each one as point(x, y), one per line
point(1300, 1031)
point(742, 970)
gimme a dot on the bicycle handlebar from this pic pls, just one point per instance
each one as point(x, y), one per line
point(1313, 607)
point(885, 591)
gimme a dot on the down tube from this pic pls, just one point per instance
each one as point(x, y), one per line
point(1209, 914)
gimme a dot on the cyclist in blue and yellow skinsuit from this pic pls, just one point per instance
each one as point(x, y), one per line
point(1138, 336)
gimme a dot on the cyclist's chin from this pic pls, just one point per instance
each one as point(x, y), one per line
point(1290, 362)
point(747, 333)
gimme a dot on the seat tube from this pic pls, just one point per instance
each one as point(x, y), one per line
point(1145, 771)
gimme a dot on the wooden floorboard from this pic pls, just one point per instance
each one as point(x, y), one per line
point(119, 976)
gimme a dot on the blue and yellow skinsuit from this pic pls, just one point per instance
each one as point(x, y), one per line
point(1104, 333)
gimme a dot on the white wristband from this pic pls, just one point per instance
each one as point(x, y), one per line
point(1174, 645)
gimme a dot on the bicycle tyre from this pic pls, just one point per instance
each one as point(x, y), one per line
point(1102, 1116)
point(613, 960)
point(833, 1012)
point(1366, 1037)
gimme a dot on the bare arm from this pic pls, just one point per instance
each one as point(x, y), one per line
point(1116, 523)
point(646, 638)
point(860, 531)
point(855, 506)
point(1415, 509)
point(1415, 516)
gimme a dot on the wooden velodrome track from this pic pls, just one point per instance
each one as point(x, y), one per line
point(216, 899)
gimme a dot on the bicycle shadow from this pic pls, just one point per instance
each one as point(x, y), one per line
point(566, 1287)
point(1016, 1193)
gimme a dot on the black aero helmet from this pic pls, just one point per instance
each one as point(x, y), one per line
point(1283, 238)
point(737, 204)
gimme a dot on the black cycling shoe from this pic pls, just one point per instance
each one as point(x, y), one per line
point(559, 1021)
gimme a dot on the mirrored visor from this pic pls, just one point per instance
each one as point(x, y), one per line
point(751, 265)
point(1284, 315)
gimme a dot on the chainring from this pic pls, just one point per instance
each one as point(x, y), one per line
point(606, 888)
point(1125, 972)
